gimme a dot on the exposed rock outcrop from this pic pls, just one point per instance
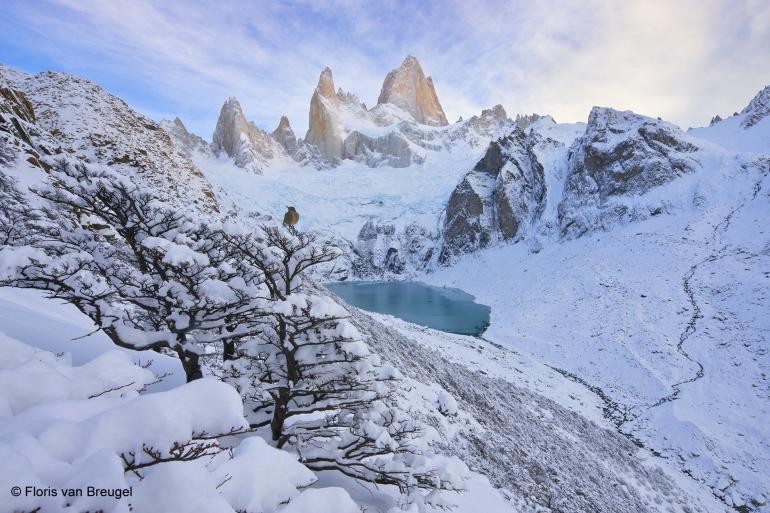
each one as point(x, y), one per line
point(409, 88)
point(187, 142)
point(497, 199)
point(324, 125)
point(285, 136)
point(18, 133)
point(620, 154)
point(249, 147)
point(757, 109)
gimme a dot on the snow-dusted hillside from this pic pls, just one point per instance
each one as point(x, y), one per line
point(667, 319)
point(77, 117)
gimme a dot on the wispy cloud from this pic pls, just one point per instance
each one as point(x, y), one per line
point(683, 61)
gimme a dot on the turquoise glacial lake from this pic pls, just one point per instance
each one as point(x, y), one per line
point(445, 309)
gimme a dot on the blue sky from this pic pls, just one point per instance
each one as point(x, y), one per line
point(682, 60)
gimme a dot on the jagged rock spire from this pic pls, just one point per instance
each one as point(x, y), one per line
point(285, 136)
point(324, 131)
point(230, 125)
point(239, 138)
point(408, 87)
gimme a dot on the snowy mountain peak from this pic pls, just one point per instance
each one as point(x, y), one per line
point(230, 125)
point(76, 116)
point(325, 85)
point(524, 121)
point(240, 139)
point(283, 124)
point(190, 144)
point(497, 112)
point(324, 130)
point(285, 136)
point(622, 155)
point(757, 109)
point(408, 87)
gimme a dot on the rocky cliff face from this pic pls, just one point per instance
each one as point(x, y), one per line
point(408, 88)
point(324, 123)
point(187, 142)
point(621, 154)
point(498, 199)
point(240, 139)
point(76, 116)
point(285, 136)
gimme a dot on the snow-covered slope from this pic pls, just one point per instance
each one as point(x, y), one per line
point(514, 420)
point(666, 319)
point(748, 130)
point(76, 116)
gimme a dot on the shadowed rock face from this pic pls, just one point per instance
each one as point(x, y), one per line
point(409, 88)
point(503, 193)
point(17, 129)
point(620, 154)
point(18, 104)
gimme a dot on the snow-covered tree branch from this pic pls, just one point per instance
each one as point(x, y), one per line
point(149, 276)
